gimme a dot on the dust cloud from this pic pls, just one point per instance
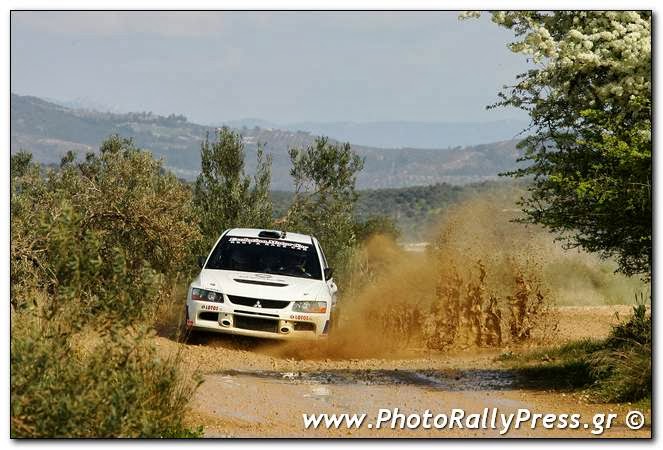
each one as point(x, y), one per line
point(482, 281)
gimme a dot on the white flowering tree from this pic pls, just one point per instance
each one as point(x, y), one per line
point(589, 151)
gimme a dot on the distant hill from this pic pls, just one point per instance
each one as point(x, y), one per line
point(416, 134)
point(48, 130)
point(401, 133)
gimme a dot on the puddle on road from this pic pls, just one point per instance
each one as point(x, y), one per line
point(274, 401)
point(449, 380)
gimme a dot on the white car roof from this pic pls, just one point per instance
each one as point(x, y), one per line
point(253, 232)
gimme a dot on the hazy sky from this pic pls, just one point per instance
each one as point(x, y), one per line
point(283, 67)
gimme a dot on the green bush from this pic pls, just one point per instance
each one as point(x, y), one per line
point(614, 369)
point(373, 225)
point(224, 196)
point(635, 330)
point(325, 175)
point(112, 385)
point(623, 375)
point(110, 233)
point(98, 247)
point(622, 369)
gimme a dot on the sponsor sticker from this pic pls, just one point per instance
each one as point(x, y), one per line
point(268, 243)
point(300, 317)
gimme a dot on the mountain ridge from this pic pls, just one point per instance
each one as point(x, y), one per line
point(402, 134)
point(48, 130)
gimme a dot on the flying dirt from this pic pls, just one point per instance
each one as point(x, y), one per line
point(478, 284)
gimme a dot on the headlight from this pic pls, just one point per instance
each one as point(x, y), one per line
point(203, 295)
point(310, 307)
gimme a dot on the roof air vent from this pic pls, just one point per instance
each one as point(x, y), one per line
point(271, 234)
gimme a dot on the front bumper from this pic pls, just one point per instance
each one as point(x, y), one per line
point(257, 322)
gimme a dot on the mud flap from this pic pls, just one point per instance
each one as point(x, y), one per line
point(189, 322)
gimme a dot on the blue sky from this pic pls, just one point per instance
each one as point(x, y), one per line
point(282, 67)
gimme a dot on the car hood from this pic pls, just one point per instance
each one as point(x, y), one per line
point(261, 285)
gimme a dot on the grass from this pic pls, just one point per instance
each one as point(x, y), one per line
point(561, 367)
point(614, 369)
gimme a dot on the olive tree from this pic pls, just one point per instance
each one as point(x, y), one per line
point(324, 175)
point(224, 196)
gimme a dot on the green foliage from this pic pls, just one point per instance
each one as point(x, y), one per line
point(115, 386)
point(224, 196)
point(590, 149)
point(376, 225)
point(635, 330)
point(96, 247)
point(182, 432)
point(623, 367)
point(623, 375)
point(20, 164)
point(325, 175)
point(615, 369)
point(106, 232)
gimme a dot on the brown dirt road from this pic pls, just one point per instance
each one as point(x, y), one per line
point(251, 389)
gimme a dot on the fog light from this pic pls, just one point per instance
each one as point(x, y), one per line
point(310, 307)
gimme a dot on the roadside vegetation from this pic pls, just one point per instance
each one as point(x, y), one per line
point(97, 247)
point(224, 195)
point(588, 156)
point(614, 369)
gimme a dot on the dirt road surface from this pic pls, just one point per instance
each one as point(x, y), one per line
point(255, 388)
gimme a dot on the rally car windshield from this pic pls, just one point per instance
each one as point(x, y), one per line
point(266, 256)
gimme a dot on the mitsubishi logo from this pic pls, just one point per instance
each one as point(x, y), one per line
point(257, 305)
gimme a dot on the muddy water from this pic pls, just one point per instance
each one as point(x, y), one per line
point(271, 403)
point(278, 399)
point(448, 380)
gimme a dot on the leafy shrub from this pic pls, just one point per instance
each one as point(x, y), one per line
point(376, 225)
point(622, 369)
point(97, 247)
point(614, 369)
point(113, 385)
point(624, 374)
point(635, 330)
point(109, 232)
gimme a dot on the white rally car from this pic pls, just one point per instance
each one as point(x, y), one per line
point(263, 283)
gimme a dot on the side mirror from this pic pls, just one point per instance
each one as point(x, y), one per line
point(201, 261)
point(329, 272)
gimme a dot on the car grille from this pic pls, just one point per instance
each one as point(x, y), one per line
point(247, 301)
point(256, 324)
point(239, 311)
